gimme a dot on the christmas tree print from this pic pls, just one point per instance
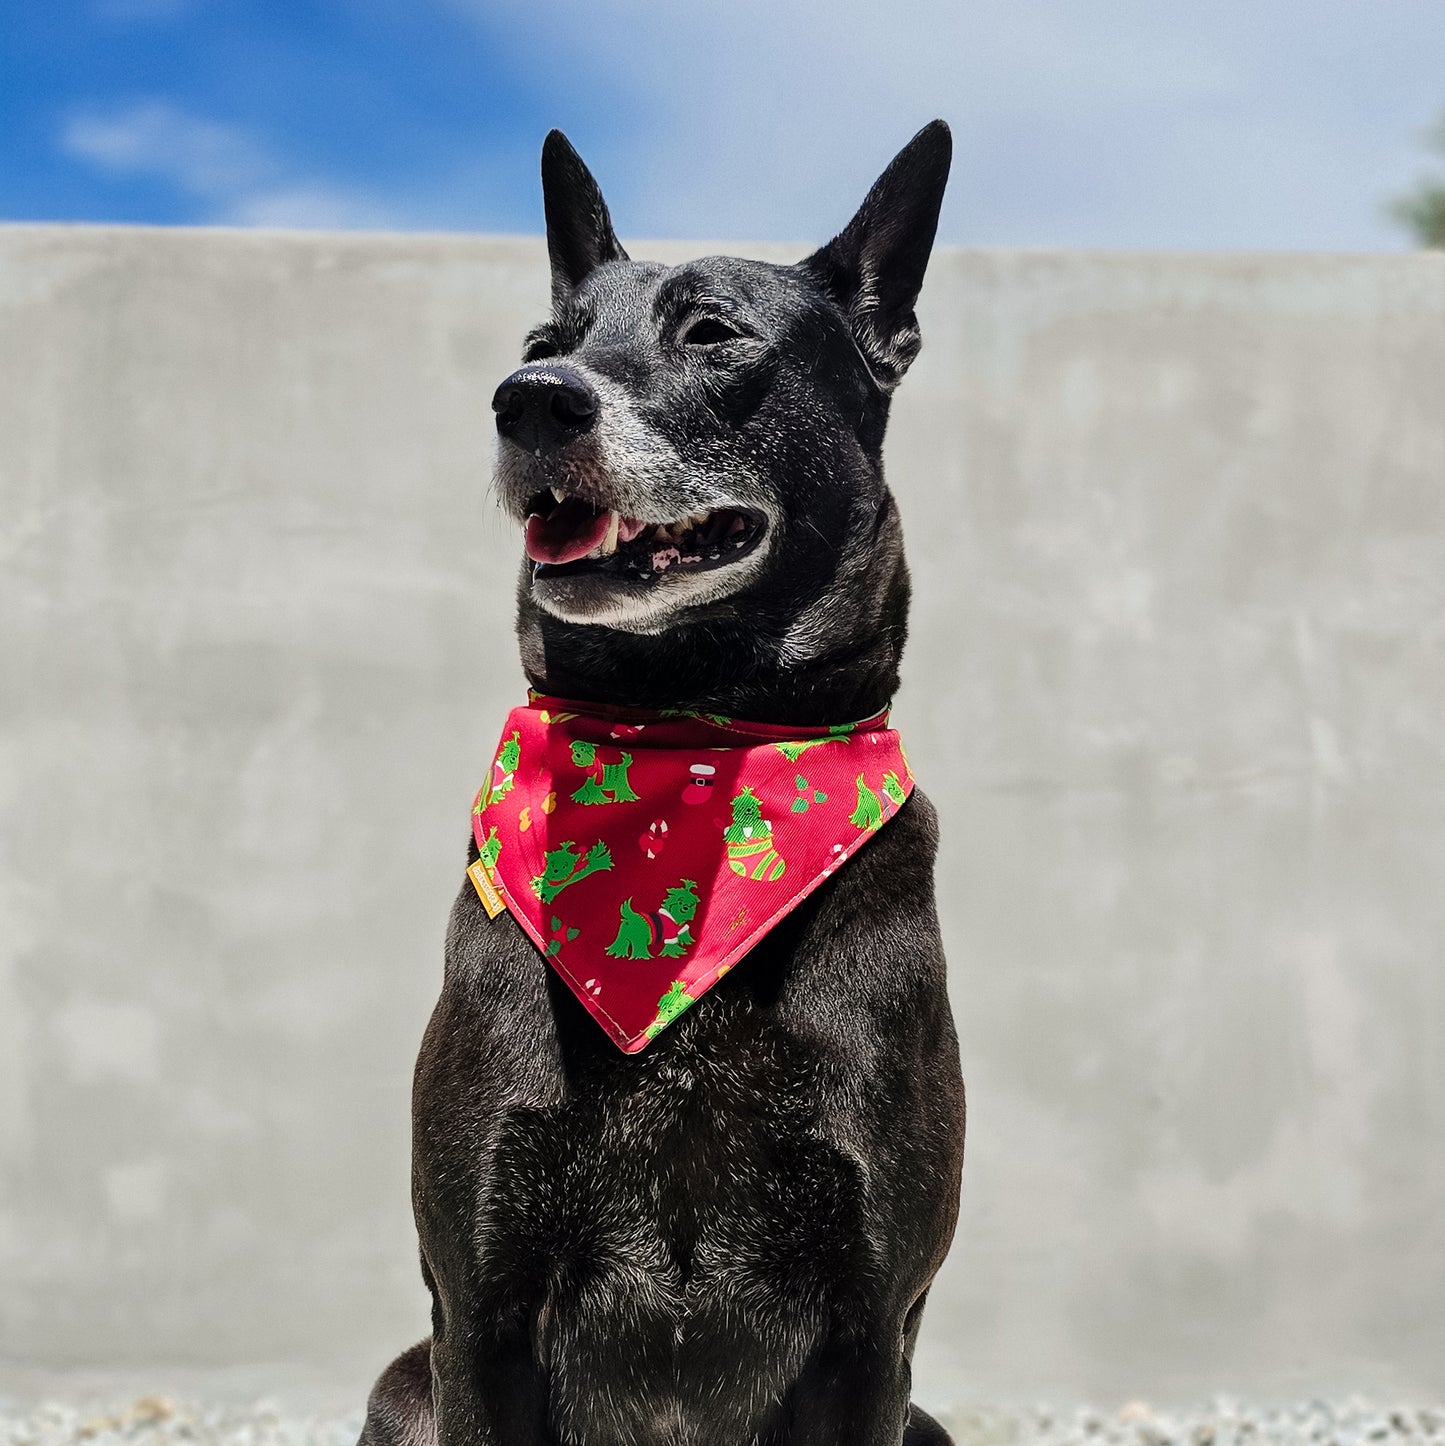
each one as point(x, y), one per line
point(749, 839)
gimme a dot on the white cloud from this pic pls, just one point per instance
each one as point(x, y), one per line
point(311, 206)
point(235, 179)
point(154, 138)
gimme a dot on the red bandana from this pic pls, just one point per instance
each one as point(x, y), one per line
point(646, 852)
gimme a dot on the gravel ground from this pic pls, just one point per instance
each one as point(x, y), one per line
point(158, 1421)
point(1223, 1422)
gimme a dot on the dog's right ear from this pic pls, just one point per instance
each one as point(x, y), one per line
point(579, 229)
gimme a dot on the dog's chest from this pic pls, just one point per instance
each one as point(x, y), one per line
point(682, 1164)
point(693, 1214)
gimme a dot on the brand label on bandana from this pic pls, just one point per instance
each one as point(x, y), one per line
point(646, 852)
point(492, 901)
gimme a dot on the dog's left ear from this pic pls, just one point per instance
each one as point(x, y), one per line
point(579, 229)
point(874, 267)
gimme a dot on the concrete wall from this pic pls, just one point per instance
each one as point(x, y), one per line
point(1177, 684)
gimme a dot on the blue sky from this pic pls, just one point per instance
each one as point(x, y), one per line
point(1235, 124)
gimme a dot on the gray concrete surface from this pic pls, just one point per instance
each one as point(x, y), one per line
point(1177, 684)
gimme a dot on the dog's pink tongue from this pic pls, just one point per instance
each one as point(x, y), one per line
point(572, 531)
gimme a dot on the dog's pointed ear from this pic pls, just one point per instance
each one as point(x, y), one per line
point(874, 267)
point(579, 229)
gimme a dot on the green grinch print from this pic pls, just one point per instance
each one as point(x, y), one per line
point(637, 933)
point(869, 812)
point(721, 720)
point(749, 839)
point(504, 773)
point(490, 850)
point(669, 1007)
point(794, 751)
point(564, 866)
point(608, 782)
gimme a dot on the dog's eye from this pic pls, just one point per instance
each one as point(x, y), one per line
point(708, 331)
point(539, 350)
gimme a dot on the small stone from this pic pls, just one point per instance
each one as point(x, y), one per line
point(1158, 1431)
point(148, 1410)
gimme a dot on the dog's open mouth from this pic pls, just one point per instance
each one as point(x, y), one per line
point(566, 532)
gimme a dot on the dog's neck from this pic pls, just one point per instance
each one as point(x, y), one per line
point(835, 664)
point(711, 670)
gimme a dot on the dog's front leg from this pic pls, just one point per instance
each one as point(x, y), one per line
point(488, 1390)
point(852, 1393)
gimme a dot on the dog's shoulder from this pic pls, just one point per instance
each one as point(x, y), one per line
point(887, 886)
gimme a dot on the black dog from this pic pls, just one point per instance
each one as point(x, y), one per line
point(729, 1237)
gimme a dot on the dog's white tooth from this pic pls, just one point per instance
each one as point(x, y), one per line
point(557, 492)
point(608, 545)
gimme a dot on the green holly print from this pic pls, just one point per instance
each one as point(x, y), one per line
point(560, 935)
point(749, 839)
point(490, 850)
point(807, 795)
point(608, 783)
point(637, 933)
point(669, 1007)
point(563, 866)
point(504, 773)
point(868, 814)
point(794, 751)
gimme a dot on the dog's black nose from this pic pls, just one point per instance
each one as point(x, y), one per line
point(540, 407)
